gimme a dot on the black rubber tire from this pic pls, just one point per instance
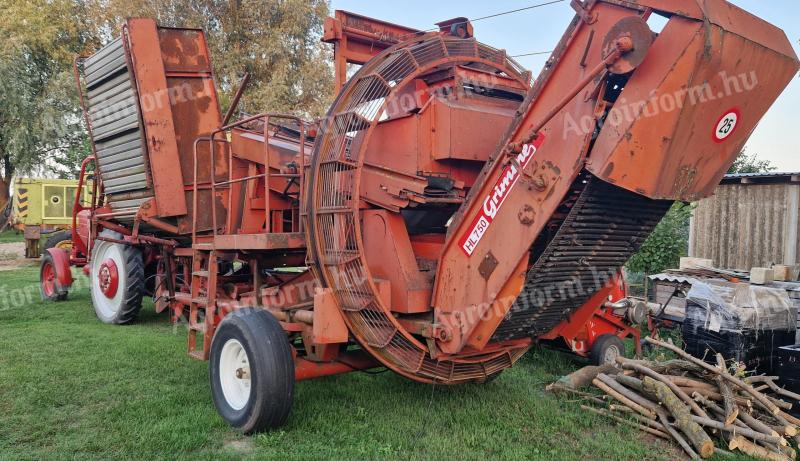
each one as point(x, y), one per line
point(133, 288)
point(602, 346)
point(271, 370)
point(59, 293)
point(57, 238)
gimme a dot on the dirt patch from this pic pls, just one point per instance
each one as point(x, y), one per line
point(12, 256)
point(243, 446)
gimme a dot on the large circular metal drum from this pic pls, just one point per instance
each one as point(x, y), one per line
point(334, 236)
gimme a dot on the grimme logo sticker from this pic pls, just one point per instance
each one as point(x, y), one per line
point(726, 125)
point(494, 200)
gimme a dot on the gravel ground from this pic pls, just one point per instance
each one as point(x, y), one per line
point(12, 256)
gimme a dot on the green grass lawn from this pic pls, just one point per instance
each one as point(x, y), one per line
point(73, 388)
point(11, 236)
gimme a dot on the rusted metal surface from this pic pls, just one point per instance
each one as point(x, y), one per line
point(357, 39)
point(156, 112)
point(336, 239)
point(690, 80)
point(494, 203)
point(565, 147)
point(306, 369)
point(329, 326)
point(270, 241)
point(443, 192)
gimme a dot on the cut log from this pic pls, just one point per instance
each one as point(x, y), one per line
point(789, 419)
point(781, 391)
point(633, 396)
point(641, 427)
point(584, 395)
point(788, 451)
point(740, 430)
point(728, 401)
point(630, 381)
point(624, 400)
point(670, 366)
point(583, 377)
point(641, 400)
point(625, 363)
point(781, 404)
point(664, 418)
point(735, 381)
point(717, 397)
point(740, 443)
point(646, 421)
point(783, 427)
point(683, 381)
point(743, 416)
point(759, 379)
point(683, 417)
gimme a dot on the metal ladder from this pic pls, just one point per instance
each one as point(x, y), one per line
point(204, 298)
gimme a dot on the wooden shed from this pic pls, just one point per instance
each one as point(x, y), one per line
point(750, 221)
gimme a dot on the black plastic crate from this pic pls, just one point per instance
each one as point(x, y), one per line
point(755, 348)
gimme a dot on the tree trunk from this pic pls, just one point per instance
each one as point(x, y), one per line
point(728, 400)
point(5, 190)
point(5, 180)
point(683, 417)
point(583, 377)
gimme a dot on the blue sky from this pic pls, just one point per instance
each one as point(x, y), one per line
point(775, 139)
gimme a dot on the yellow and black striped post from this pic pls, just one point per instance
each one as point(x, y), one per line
point(21, 211)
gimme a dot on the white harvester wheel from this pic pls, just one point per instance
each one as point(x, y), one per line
point(117, 278)
point(252, 371)
point(234, 374)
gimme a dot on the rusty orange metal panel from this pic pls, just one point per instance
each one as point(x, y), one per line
point(480, 259)
point(456, 136)
point(263, 241)
point(674, 139)
point(154, 100)
point(196, 113)
point(329, 326)
point(357, 39)
point(385, 233)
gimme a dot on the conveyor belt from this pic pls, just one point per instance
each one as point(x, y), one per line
point(604, 226)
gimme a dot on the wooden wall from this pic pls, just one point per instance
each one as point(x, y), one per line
point(747, 225)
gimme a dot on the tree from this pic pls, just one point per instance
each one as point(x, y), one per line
point(670, 239)
point(277, 41)
point(39, 119)
point(749, 163)
point(668, 242)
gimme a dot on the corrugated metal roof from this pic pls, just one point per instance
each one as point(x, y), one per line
point(672, 278)
point(771, 174)
point(679, 278)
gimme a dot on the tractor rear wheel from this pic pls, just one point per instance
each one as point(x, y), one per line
point(606, 349)
point(252, 371)
point(61, 240)
point(117, 278)
point(48, 280)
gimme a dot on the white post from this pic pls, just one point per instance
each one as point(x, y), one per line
point(790, 225)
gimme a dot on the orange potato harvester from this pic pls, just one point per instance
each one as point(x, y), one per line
point(445, 214)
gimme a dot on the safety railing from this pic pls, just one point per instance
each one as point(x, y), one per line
point(213, 139)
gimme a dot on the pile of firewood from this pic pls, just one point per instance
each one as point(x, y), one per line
point(693, 403)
